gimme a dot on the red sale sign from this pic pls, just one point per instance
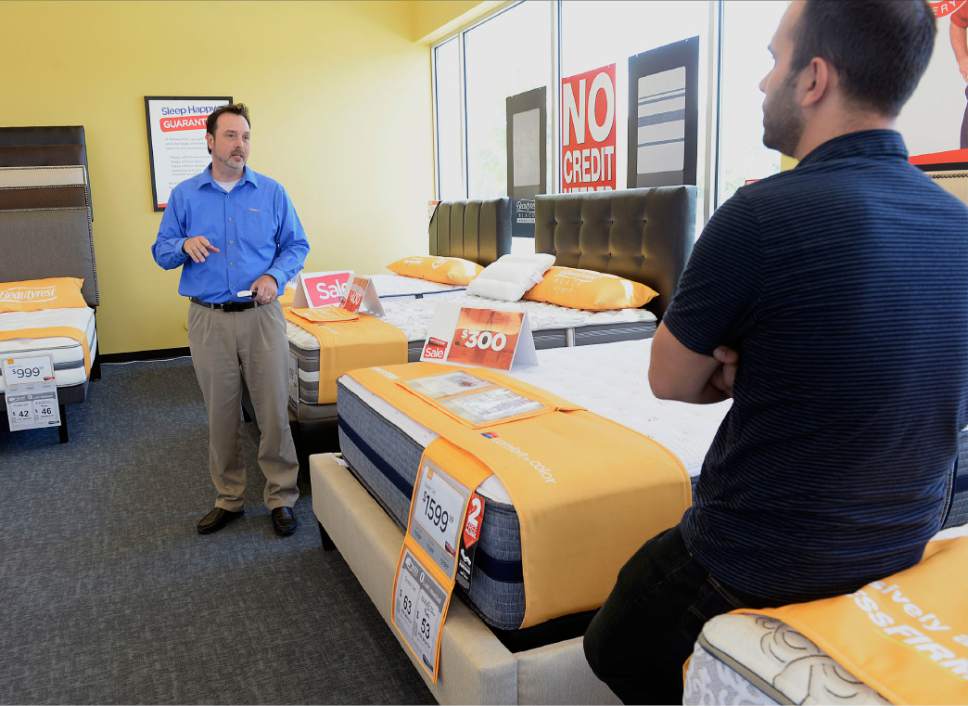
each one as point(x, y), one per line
point(354, 294)
point(486, 337)
point(325, 288)
point(588, 130)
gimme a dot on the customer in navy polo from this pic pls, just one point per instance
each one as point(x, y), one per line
point(831, 303)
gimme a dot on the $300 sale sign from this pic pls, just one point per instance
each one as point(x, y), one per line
point(486, 337)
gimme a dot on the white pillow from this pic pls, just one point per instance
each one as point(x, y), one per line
point(510, 276)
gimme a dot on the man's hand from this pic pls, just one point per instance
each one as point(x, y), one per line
point(725, 374)
point(198, 248)
point(264, 289)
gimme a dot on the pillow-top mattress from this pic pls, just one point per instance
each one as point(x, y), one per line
point(67, 354)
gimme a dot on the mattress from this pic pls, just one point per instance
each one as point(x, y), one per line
point(67, 354)
point(752, 659)
point(401, 288)
point(552, 326)
point(383, 448)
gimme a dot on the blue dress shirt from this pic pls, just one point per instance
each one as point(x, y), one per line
point(254, 226)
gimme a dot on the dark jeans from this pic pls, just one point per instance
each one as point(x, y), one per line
point(639, 640)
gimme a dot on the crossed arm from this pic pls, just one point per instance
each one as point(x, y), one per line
point(678, 373)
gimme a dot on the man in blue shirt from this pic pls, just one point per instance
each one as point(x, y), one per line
point(232, 230)
point(831, 303)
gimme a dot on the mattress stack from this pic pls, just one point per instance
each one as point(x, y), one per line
point(46, 231)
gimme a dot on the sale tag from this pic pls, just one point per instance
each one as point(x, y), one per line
point(490, 338)
point(361, 296)
point(30, 393)
point(420, 603)
point(437, 513)
point(316, 289)
point(468, 540)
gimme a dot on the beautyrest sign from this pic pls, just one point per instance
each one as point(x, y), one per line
point(588, 131)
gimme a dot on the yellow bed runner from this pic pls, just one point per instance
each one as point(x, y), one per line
point(53, 332)
point(588, 491)
point(345, 344)
point(906, 636)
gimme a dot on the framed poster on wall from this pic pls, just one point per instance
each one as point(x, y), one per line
point(527, 156)
point(664, 115)
point(176, 140)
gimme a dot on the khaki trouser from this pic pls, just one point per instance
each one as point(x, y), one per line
point(225, 347)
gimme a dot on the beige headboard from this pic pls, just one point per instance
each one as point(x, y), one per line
point(953, 182)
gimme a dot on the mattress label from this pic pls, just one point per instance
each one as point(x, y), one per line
point(439, 503)
point(473, 400)
point(420, 603)
point(442, 510)
point(468, 541)
point(31, 393)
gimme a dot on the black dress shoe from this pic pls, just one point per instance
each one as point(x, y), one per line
point(283, 521)
point(216, 520)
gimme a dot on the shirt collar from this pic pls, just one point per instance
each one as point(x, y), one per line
point(248, 175)
point(866, 143)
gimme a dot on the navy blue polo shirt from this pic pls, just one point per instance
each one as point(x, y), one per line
point(843, 284)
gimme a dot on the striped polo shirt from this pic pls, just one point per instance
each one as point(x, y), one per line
point(843, 284)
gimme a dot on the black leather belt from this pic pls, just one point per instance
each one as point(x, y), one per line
point(226, 306)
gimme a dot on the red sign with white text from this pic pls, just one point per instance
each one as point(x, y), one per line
point(325, 288)
point(486, 337)
point(588, 104)
point(354, 294)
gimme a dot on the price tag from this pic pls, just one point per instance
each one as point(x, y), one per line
point(316, 289)
point(27, 370)
point(438, 511)
point(419, 606)
point(30, 392)
point(361, 296)
point(468, 541)
point(490, 338)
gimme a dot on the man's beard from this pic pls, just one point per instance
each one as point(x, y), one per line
point(783, 122)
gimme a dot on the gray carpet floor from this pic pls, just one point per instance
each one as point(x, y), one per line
point(108, 594)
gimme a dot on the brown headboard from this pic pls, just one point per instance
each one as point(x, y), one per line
point(645, 235)
point(474, 230)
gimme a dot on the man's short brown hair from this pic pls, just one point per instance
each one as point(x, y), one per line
point(234, 108)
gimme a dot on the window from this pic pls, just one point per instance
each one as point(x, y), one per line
point(504, 56)
point(748, 26)
point(450, 153)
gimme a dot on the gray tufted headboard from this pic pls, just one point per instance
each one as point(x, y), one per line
point(474, 230)
point(645, 235)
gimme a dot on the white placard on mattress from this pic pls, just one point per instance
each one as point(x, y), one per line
point(413, 317)
point(610, 379)
point(64, 351)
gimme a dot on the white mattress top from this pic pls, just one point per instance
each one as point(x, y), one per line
point(610, 379)
point(414, 316)
point(79, 318)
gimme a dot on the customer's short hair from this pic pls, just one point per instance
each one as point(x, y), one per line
point(880, 48)
point(234, 108)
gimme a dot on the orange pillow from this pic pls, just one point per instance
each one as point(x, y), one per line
point(446, 270)
point(38, 294)
point(587, 289)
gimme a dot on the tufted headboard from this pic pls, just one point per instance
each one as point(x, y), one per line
point(645, 235)
point(474, 230)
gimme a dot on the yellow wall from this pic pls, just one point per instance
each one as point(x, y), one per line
point(341, 115)
point(435, 19)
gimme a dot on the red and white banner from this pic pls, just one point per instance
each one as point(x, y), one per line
point(316, 289)
point(588, 107)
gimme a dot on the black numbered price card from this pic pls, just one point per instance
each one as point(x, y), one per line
point(31, 392)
